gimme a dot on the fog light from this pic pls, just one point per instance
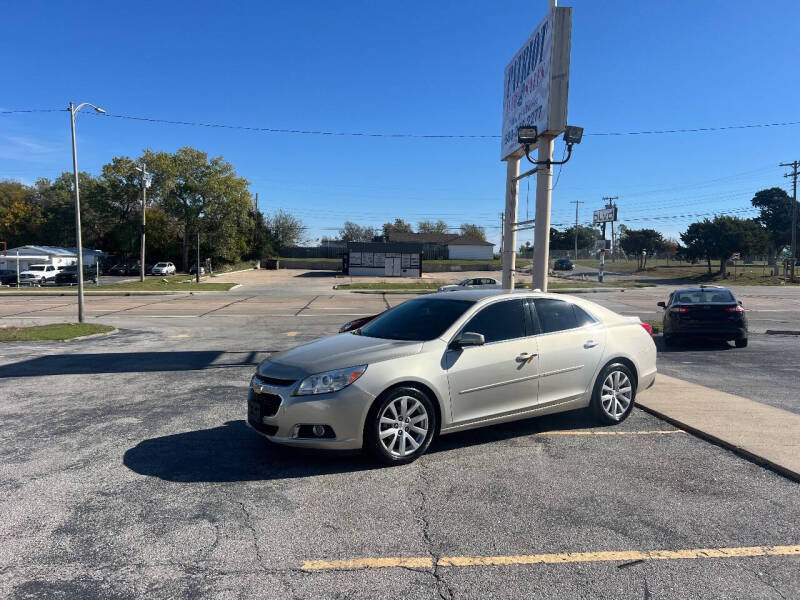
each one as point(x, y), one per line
point(318, 430)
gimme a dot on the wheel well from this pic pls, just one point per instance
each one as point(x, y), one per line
point(421, 387)
point(628, 363)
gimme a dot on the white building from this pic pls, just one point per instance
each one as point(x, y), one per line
point(45, 255)
point(469, 248)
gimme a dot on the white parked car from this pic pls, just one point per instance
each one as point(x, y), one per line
point(38, 275)
point(163, 268)
point(476, 283)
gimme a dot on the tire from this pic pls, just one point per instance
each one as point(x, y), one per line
point(391, 448)
point(611, 408)
point(740, 342)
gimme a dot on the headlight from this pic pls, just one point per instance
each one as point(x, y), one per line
point(330, 381)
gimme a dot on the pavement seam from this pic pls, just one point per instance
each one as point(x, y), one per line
point(225, 306)
point(443, 589)
point(113, 312)
point(27, 312)
point(310, 302)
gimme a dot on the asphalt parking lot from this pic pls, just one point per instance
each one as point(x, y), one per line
point(127, 471)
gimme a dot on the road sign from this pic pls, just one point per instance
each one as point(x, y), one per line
point(606, 215)
point(736, 256)
point(536, 81)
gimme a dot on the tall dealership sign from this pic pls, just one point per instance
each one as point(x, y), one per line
point(535, 88)
point(536, 81)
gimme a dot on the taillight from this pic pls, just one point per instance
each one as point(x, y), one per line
point(648, 328)
point(735, 309)
point(679, 310)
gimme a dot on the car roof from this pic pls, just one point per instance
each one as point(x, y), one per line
point(476, 295)
point(711, 288)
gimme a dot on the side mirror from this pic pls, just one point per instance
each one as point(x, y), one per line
point(740, 303)
point(662, 304)
point(468, 338)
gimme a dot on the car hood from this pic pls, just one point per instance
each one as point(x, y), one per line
point(335, 352)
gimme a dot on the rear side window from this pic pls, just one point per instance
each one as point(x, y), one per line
point(499, 321)
point(555, 315)
point(582, 317)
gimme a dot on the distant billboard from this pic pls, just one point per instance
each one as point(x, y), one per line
point(536, 81)
point(605, 215)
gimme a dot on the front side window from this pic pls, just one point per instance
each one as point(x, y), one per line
point(555, 315)
point(499, 321)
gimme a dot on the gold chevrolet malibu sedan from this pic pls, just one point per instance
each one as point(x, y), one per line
point(448, 362)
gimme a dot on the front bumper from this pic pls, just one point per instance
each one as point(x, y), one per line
point(344, 411)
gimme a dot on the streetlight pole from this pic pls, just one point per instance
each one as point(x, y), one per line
point(197, 264)
point(73, 111)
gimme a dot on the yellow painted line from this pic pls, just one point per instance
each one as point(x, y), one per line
point(653, 432)
point(180, 335)
point(291, 333)
point(549, 559)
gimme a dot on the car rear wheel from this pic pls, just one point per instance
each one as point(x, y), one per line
point(669, 340)
point(740, 342)
point(400, 426)
point(614, 394)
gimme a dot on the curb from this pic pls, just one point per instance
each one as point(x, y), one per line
point(90, 336)
point(744, 453)
point(782, 332)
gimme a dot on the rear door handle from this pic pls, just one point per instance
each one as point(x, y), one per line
point(526, 357)
point(590, 344)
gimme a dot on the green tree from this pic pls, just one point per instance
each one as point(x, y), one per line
point(432, 227)
point(187, 184)
point(399, 226)
point(20, 216)
point(285, 229)
point(353, 232)
point(775, 207)
point(473, 230)
point(636, 241)
point(720, 238)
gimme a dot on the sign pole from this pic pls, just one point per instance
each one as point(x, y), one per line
point(509, 233)
point(541, 235)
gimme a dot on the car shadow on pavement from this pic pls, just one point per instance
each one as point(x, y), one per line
point(234, 452)
point(692, 345)
point(318, 274)
point(131, 362)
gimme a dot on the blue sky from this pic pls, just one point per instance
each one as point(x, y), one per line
point(418, 67)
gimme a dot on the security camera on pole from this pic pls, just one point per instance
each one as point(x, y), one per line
point(535, 89)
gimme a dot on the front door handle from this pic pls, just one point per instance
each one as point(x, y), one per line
point(526, 357)
point(590, 344)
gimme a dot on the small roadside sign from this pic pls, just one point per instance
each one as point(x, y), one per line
point(736, 256)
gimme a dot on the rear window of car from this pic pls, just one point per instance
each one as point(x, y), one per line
point(420, 319)
point(703, 297)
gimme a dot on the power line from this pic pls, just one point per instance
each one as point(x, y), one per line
point(398, 134)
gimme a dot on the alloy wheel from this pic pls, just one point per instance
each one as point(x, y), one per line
point(616, 394)
point(403, 426)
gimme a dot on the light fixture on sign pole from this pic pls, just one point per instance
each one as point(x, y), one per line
point(73, 111)
point(528, 136)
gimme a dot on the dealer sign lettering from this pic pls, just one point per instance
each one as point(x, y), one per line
point(537, 81)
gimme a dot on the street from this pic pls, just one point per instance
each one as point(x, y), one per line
point(128, 471)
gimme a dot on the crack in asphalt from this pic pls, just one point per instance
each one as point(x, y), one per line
point(443, 589)
point(249, 524)
point(758, 575)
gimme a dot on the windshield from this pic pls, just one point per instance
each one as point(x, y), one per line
point(161, 265)
point(420, 319)
point(703, 297)
point(36, 268)
point(465, 282)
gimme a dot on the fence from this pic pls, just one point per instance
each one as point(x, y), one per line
point(327, 251)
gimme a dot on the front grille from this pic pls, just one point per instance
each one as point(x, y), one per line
point(276, 381)
point(269, 403)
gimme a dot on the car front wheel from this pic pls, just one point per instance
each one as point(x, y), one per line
point(740, 342)
point(400, 426)
point(614, 394)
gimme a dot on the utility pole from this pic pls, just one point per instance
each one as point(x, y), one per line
point(795, 164)
point(143, 170)
point(255, 203)
point(576, 203)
